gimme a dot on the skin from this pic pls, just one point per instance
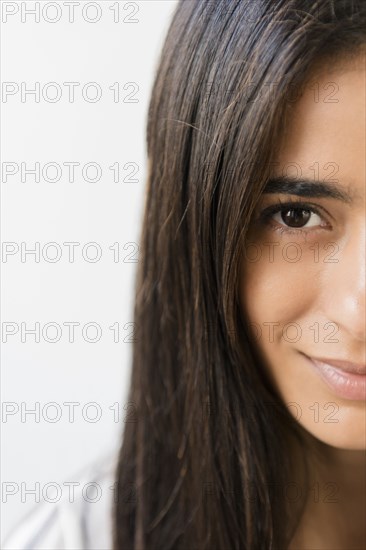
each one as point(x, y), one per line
point(309, 291)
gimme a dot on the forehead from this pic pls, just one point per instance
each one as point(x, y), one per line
point(327, 125)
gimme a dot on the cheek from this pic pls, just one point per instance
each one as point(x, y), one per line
point(276, 291)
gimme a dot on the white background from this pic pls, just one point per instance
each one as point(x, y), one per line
point(105, 212)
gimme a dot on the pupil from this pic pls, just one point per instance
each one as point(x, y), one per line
point(296, 217)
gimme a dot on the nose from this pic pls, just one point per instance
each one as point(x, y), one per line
point(346, 282)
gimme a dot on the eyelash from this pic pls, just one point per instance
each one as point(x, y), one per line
point(267, 214)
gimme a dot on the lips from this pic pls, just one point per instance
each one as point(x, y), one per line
point(347, 380)
point(346, 366)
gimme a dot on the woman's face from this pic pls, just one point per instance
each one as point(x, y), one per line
point(303, 277)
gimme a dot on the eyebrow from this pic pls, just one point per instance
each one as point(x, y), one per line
point(304, 187)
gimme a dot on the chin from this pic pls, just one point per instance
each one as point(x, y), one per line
point(349, 433)
point(346, 443)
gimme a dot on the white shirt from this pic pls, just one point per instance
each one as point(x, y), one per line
point(79, 522)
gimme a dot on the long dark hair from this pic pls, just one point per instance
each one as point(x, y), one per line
point(210, 446)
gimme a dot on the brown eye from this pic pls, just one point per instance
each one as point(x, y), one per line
point(292, 217)
point(295, 217)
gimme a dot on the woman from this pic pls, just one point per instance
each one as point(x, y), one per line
point(247, 398)
point(242, 438)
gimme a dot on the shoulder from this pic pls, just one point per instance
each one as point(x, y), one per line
point(81, 519)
